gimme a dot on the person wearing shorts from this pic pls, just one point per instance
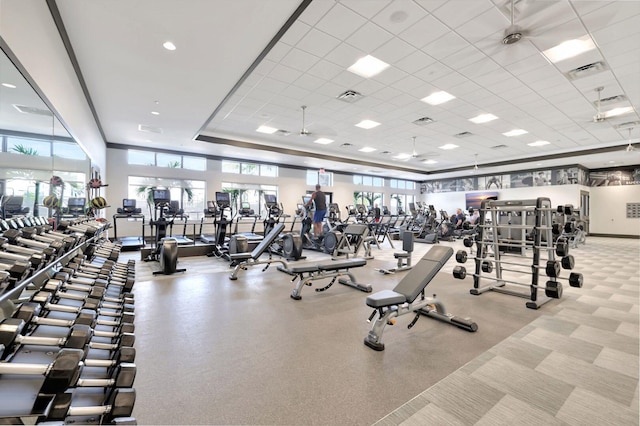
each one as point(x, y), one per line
point(320, 201)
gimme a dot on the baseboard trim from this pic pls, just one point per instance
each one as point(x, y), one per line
point(635, 237)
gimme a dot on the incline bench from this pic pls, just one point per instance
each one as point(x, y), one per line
point(333, 269)
point(402, 299)
point(244, 260)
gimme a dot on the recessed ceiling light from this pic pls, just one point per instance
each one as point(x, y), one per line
point(155, 113)
point(569, 49)
point(612, 161)
point(323, 141)
point(483, 118)
point(168, 45)
point(266, 129)
point(402, 156)
point(367, 149)
point(367, 124)
point(429, 161)
point(9, 85)
point(515, 132)
point(448, 146)
point(438, 98)
point(368, 66)
point(617, 111)
point(539, 143)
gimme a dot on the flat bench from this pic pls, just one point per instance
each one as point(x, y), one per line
point(245, 260)
point(403, 299)
point(307, 274)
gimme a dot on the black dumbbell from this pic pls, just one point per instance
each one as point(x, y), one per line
point(17, 270)
point(90, 300)
point(82, 228)
point(97, 291)
point(118, 404)
point(71, 275)
point(14, 236)
point(63, 242)
point(123, 332)
point(46, 300)
point(37, 260)
point(78, 337)
point(50, 253)
point(64, 373)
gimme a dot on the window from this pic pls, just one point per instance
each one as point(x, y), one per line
point(162, 159)
point(230, 167)
point(402, 184)
point(368, 180)
point(399, 203)
point(249, 193)
point(69, 150)
point(143, 158)
point(323, 178)
point(173, 161)
point(250, 169)
point(194, 163)
point(189, 193)
point(268, 170)
point(29, 146)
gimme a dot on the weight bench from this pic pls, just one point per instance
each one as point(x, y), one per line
point(334, 269)
point(403, 299)
point(404, 257)
point(245, 260)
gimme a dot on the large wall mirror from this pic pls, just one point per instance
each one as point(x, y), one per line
point(35, 147)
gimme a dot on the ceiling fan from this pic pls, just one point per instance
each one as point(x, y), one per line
point(303, 129)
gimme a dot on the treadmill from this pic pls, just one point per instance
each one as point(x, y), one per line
point(209, 213)
point(174, 211)
point(130, 212)
point(247, 217)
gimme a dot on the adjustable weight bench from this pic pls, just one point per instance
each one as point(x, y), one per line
point(334, 269)
point(245, 260)
point(403, 299)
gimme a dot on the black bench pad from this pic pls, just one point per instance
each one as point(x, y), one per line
point(342, 264)
point(385, 298)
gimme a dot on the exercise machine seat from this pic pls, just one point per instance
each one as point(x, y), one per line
point(262, 247)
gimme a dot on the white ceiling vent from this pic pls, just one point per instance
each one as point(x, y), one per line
point(149, 129)
point(498, 146)
point(611, 100)
point(586, 70)
point(349, 96)
point(423, 121)
point(385, 152)
point(283, 132)
point(463, 134)
point(346, 145)
point(33, 110)
point(628, 125)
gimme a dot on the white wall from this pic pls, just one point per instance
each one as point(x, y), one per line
point(608, 210)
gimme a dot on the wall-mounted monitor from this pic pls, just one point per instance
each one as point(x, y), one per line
point(129, 203)
point(474, 199)
point(161, 196)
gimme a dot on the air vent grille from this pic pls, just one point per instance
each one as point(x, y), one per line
point(586, 70)
point(33, 110)
point(498, 146)
point(283, 132)
point(349, 96)
point(385, 152)
point(463, 134)
point(628, 124)
point(423, 121)
point(149, 129)
point(611, 100)
point(346, 145)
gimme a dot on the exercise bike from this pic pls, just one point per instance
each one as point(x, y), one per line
point(165, 248)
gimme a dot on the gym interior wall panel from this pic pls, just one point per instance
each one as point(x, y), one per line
point(608, 206)
point(30, 32)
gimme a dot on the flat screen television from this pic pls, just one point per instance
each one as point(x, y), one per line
point(76, 202)
point(306, 199)
point(223, 199)
point(270, 199)
point(474, 199)
point(161, 196)
point(129, 203)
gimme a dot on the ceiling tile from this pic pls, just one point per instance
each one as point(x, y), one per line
point(369, 37)
point(368, 8)
point(393, 50)
point(340, 22)
point(299, 60)
point(449, 12)
point(414, 62)
point(483, 25)
point(445, 46)
point(296, 31)
point(424, 31)
point(463, 57)
point(325, 70)
point(317, 43)
point(399, 15)
point(315, 11)
point(345, 55)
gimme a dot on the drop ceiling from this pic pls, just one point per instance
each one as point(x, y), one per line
point(240, 65)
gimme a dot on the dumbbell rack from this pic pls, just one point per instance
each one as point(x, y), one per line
point(488, 237)
point(20, 401)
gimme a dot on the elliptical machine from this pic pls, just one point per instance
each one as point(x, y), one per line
point(165, 248)
point(287, 245)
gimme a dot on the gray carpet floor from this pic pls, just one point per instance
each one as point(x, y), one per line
point(216, 351)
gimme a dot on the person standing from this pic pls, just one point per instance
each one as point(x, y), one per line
point(320, 200)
